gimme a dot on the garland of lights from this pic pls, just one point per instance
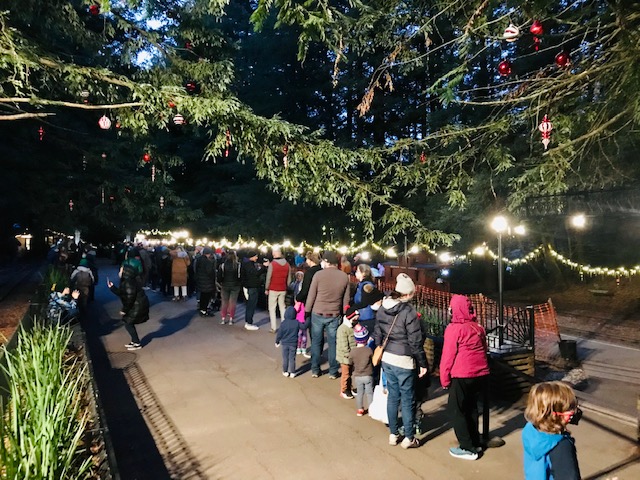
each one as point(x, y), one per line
point(183, 237)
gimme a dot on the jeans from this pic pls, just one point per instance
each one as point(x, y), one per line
point(250, 305)
point(288, 358)
point(364, 385)
point(229, 297)
point(464, 394)
point(276, 299)
point(318, 326)
point(400, 384)
point(131, 330)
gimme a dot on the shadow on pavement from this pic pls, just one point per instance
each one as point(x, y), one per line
point(169, 326)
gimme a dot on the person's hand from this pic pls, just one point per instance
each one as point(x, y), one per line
point(422, 373)
point(66, 291)
point(266, 292)
point(109, 283)
point(76, 294)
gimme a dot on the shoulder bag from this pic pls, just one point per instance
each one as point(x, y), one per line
point(377, 354)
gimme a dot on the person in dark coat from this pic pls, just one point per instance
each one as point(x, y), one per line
point(205, 277)
point(287, 338)
point(135, 304)
point(252, 280)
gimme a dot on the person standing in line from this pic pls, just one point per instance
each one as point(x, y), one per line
point(549, 448)
point(313, 264)
point(397, 321)
point(328, 295)
point(367, 314)
point(464, 370)
point(279, 277)
point(362, 369)
point(345, 343)
point(251, 280)
point(287, 338)
point(135, 304)
point(230, 286)
point(205, 277)
point(180, 261)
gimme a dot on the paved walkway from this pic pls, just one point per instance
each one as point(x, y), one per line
point(207, 401)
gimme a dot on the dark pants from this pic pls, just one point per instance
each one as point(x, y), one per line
point(131, 330)
point(250, 305)
point(205, 298)
point(288, 358)
point(464, 394)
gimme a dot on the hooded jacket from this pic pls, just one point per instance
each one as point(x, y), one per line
point(406, 336)
point(205, 274)
point(549, 456)
point(345, 342)
point(464, 353)
point(135, 303)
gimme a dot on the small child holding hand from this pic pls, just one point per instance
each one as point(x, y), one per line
point(287, 337)
point(362, 369)
point(549, 448)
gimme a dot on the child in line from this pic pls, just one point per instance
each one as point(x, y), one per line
point(549, 448)
point(362, 369)
point(345, 342)
point(287, 337)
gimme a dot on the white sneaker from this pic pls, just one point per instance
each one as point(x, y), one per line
point(249, 326)
point(393, 439)
point(285, 374)
point(292, 375)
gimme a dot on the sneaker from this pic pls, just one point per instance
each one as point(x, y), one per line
point(133, 346)
point(410, 443)
point(230, 321)
point(271, 330)
point(250, 326)
point(305, 354)
point(346, 396)
point(222, 322)
point(203, 313)
point(315, 375)
point(393, 439)
point(360, 412)
point(354, 392)
point(292, 375)
point(285, 374)
point(298, 351)
point(334, 377)
point(478, 449)
point(462, 453)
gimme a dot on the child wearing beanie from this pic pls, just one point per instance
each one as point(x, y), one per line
point(287, 337)
point(345, 342)
point(362, 369)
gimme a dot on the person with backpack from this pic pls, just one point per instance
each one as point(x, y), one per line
point(230, 286)
point(135, 304)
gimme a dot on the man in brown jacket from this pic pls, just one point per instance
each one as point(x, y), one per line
point(328, 295)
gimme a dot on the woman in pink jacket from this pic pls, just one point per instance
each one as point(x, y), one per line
point(464, 370)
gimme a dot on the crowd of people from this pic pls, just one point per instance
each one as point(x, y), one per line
point(370, 335)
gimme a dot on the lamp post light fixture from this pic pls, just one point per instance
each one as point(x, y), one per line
point(501, 225)
point(579, 220)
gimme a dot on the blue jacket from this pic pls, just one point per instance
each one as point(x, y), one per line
point(549, 456)
point(288, 332)
point(366, 313)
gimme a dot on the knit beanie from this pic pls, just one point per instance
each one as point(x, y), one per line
point(404, 284)
point(361, 333)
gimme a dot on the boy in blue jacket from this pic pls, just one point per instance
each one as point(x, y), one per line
point(287, 337)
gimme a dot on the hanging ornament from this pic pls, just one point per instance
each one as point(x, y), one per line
point(192, 87)
point(178, 119)
point(94, 10)
point(188, 45)
point(161, 203)
point(104, 155)
point(71, 205)
point(118, 125)
point(562, 59)
point(171, 104)
point(227, 135)
point(84, 164)
point(104, 122)
point(423, 158)
point(102, 194)
point(84, 94)
point(545, 128)
point(41, 132)
point(112, 198)
point(511, 33)
point(285, 159)
point(536, 28)
point(153, 173)
point(536, 43)
point(504, 68)
point(146, 158)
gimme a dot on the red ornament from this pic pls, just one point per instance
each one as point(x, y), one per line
point(146, 158)
point(536, 43)
point(563, 59)
point(118, 125)
point(504, 68)
point(545, 128)
point(94, 10)
point(536, 28)
point(423, 158)
point(188, 46)
point(191, 87)
point(41, 132)
point(71, 205)
point(285, 159)
point(171, 104)
point(227, 143)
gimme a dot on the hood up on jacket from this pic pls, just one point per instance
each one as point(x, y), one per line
point(461, 309)
point(538, 444)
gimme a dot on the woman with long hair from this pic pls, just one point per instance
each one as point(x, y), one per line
point(230, 286)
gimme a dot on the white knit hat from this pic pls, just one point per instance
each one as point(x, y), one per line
point(404, 284)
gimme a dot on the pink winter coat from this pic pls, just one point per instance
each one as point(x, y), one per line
point(464, 353)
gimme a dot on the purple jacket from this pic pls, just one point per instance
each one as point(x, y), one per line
point(464, 353)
